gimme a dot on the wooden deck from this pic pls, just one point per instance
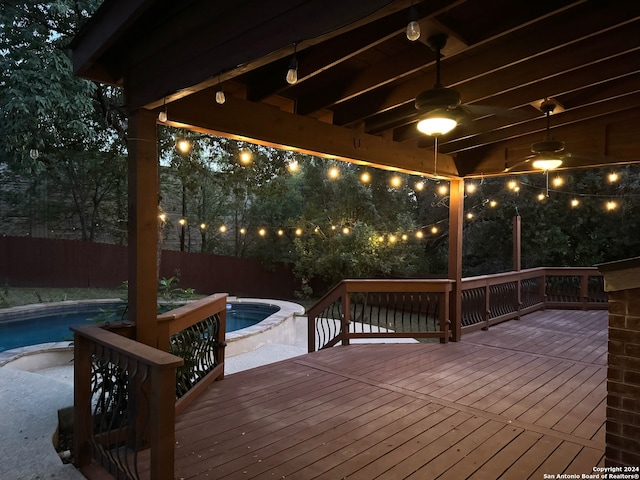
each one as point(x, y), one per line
point(523, 399)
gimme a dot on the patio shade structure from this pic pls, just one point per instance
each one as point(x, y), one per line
point(357, 79)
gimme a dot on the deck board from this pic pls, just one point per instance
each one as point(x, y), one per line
point(513, 402)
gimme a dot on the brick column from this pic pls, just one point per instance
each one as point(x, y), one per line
point(622, 282)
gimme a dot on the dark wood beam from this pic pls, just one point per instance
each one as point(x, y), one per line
point(263, 124)
point(204, 43)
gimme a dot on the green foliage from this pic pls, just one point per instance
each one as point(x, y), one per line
point(63, 132)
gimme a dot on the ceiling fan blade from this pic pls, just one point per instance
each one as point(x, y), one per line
point(514, 165)
point(482, 110)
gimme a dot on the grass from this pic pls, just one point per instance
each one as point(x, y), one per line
point(13, 296)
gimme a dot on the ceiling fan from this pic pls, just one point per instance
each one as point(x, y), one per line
point(440, 108)
point(547, 154)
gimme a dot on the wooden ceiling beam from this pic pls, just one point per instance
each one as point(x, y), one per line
point(249, 36)
point(492, 61)
point(270, 79)
point(263, 124)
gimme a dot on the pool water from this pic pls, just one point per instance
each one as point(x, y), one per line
point(54, 327)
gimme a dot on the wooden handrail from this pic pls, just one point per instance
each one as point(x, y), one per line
point(342, 293)
point(179, 319)
point(90, 341)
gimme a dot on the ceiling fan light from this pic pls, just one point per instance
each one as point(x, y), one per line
point(437, 125)
point(546, 162)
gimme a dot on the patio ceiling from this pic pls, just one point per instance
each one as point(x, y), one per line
point(358, 75)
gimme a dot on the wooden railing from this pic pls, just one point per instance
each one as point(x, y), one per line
point(491, 299)
point(128, 394)
point(196, 333)
point(352, 309)
point(123, 405)
point(380, 309)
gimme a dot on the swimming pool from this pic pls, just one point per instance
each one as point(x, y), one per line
point(50, 323)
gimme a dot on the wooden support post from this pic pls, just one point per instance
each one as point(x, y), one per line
point(517, 235)
point(517, 259)
point(456, 219)
point(143, 225)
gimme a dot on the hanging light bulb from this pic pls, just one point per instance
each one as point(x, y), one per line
point(162, 116)
point(413, 28)
point(220, 98)
point(292, 73)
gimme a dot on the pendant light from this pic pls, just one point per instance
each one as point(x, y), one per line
point(292, 73)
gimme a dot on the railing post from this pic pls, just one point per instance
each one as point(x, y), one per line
point(311, 333)
point(584, 289)
point(346, 315)
point(543, 290)
point(163, 381)
point(444, 316)
point(222, 341)
point(82, 420)
point(487, 306)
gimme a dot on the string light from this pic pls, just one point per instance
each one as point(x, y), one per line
point(380, 239)
point(419, 234)
point(183, 145)
point(280, 232)
point(443, 189)
point(413, 27)
point(405, 237)
point(298, 232)
point(541, 196)
point(392, 239)
point(182, 221)
point(243, 231)
point(334, 173)
point(345, 230)
point(613, 177)
point(292, 73)
point(365, 177)
point(419, 186)
point(470, 187)
point(434, 229)
point(293, 166)
point(611, 205)
point(396, 181)
point(220, 97)
point(262, 232)
point(162, 116)
point(162, 217)
point(575, 202)
point(245, 157)
point(557, 181)
point(512, 184)
point(222, 228)
point(469, 216)
point(203, 226)
point(493, 203)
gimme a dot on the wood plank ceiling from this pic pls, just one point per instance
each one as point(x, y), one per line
point(358, 75)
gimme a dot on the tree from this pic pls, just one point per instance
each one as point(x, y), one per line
point(64, 133)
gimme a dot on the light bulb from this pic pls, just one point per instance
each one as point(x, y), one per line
point(220, 98)
point(162, 116)
point(413, 30)
point(575, 202)
point(365, 177)
point(292, 76)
